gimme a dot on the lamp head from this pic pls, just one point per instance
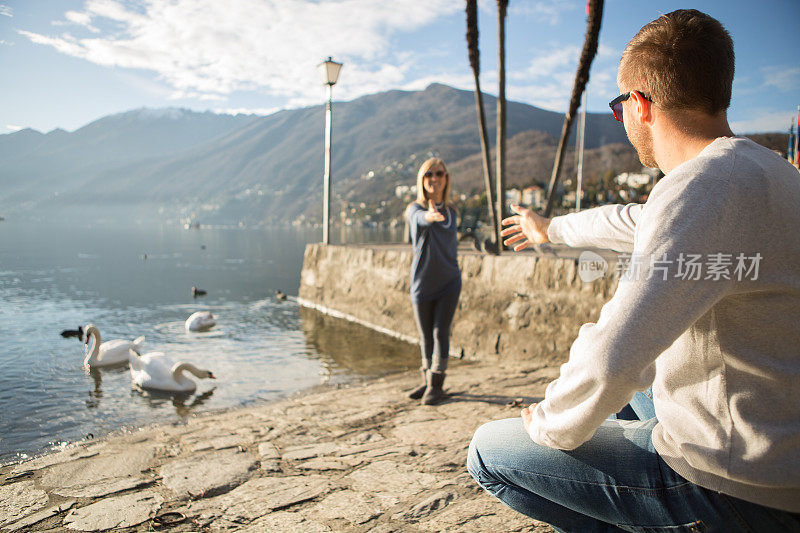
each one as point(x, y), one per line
point(329, 69)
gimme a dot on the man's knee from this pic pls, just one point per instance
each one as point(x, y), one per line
point(482, 441)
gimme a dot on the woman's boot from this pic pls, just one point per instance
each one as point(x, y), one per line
point(433, 392)
point(417, 393)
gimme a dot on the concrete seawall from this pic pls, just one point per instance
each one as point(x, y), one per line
point(517, 306)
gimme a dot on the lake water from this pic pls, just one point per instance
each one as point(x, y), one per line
point(60, 276)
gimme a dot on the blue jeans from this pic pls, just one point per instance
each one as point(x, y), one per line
point(615, 481)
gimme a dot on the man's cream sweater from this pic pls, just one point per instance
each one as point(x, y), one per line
point(722, 352)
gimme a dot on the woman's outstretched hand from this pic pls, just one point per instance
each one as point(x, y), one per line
point(432, 215)
point(526, 226)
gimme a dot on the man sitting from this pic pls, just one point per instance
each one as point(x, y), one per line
point(706, 316)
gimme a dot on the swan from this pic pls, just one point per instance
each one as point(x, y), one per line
point(154, 370)
point(200, 321)
point(110, 352)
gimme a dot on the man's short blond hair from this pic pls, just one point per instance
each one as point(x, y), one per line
point(681, 60)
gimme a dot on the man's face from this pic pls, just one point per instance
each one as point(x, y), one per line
point(639, 135)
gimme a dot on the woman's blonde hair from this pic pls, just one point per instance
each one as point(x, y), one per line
point(422, 198)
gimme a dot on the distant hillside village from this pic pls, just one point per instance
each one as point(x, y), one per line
point(387, 210)
point(613, 174)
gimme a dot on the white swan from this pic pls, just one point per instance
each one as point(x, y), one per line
point(200, 321)
point(110, 352)
point(155, 370)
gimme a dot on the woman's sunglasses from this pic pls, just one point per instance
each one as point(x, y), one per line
point(438, 173)
point(616, 104)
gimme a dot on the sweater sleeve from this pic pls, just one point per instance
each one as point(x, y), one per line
point(608, 226)
point(614, 358)
point(416, 217)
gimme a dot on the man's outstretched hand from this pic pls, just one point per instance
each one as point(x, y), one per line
point(525, 228)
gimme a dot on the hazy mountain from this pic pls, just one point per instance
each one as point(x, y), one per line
point(245, 167)
point(38, 167)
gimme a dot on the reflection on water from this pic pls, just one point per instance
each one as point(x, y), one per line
point(183, 402)
point(261, 348)
point(347, 347)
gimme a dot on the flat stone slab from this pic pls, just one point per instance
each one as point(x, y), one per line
point(427, 506)
point(355, 507)
point(390, 481)
point(20, 499)
point(116, 512)
point(435, 432)
point(129, 462)
point(298, 453)
point(70, 454)
point(479, 516)
point(261, 496)
point(267, 451)
point(103, 488)
point(322, 465)
point(38, 516)
point(220, 443)
point(207, 474)
point(284, 521)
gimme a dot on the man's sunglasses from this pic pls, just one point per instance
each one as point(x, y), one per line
point(616, 104)
point(429, 174)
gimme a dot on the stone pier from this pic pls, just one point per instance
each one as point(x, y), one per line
point(518, 306)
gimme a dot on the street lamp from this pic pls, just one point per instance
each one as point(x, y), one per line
point(330, 73)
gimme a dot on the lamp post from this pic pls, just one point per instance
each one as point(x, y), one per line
point(330, 73)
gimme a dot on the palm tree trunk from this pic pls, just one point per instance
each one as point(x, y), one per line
point(595, 9)
point(474, 61)
point(502, 7)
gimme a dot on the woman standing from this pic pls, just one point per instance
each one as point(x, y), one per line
point(435, 277)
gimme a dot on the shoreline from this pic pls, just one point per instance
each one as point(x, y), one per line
point(133, 428)
point(353, 457)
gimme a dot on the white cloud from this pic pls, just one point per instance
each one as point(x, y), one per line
point(548, 11)
point(548, 80)
point(784, 79)
point(144, 84)
point(13, 127)
point(551, 96)
point(6, 11)
point(765, 121)
point(557, 60)
point(209, 49)
point(76, 18)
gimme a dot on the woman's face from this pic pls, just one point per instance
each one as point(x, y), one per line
point(434, 181)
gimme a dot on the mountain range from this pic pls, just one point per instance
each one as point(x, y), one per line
point(226, 168)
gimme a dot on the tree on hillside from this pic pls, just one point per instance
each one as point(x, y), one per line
point(594, 10)
point(474, 62)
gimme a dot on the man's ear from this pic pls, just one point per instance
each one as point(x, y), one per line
point(642, 108)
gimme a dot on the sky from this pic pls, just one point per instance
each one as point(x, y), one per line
point(65, 63)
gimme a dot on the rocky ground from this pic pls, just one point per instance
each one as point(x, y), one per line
point(356, 458)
